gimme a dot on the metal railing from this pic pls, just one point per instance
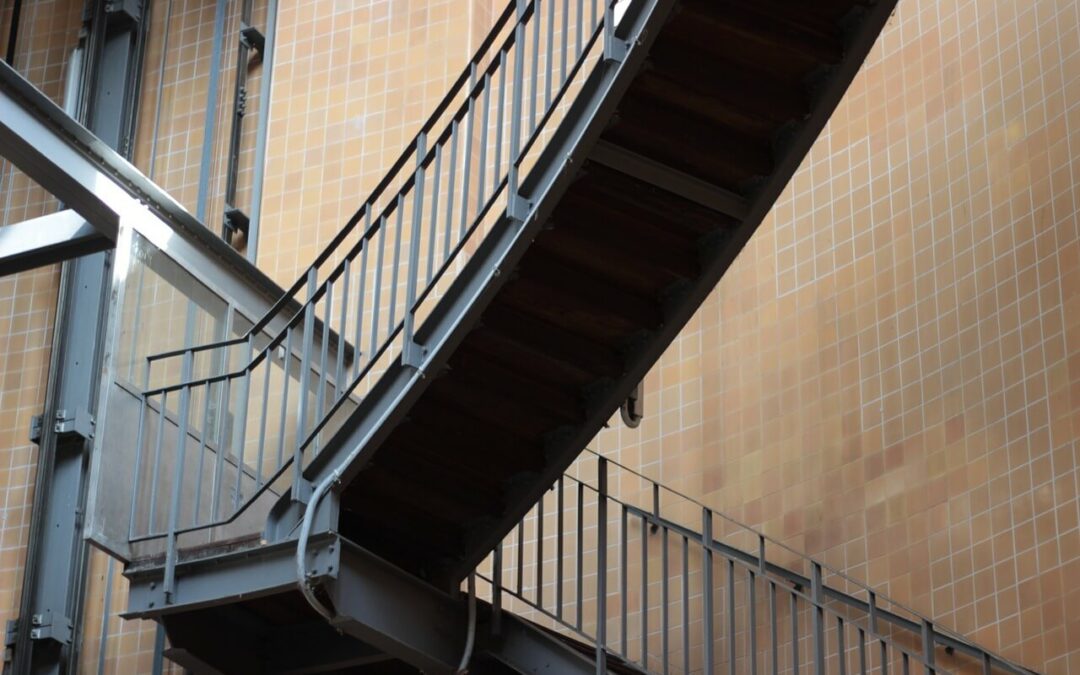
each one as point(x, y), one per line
point(221, 424)
point(684, 589)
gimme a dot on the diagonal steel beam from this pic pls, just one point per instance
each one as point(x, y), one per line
point(49, 239)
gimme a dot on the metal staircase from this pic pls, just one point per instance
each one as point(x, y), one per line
point(604, 530)
point(310, 494)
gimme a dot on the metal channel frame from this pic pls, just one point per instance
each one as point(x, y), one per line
point(52, 238)
point(48, 629)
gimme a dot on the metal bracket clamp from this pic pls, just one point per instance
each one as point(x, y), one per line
point(78, 422)
point(43, 626)
point(518, 208)
point(413, 354)
point(615, 50)
point(35, 429)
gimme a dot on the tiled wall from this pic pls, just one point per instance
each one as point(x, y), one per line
point(888, 377)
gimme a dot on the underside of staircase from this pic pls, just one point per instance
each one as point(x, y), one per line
point(670, 157)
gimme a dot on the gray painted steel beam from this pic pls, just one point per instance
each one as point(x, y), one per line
point(396, 613)
point(226, 578)
point(530, 651)
point(49, 239)
point(671, 180)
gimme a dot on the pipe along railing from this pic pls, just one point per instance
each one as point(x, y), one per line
point(688, 590)
point(223, 422)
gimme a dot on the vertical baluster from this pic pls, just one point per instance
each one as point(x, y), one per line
point(559, 509)
point(644, 593)
point(794, 634)
point(533, 83)
point(449, 234)
point(986, 664)
point(665, 601)
point(884, 656)
point(178, 476)
point(342, 341)
point(470, 113)
point(540, 552)
point(707, 587)
point(521, 558)
point(905, 667)
point(411, 352)
point(376, 303)
point(136, 479)
point(731, 615)
point(862, 652)
point(484, 132)
point(500, 117)
point(751, 601)
point(580, 27)
point(565, 41)
point(516, 104)
point(302, 389)
point(395, 270)
point(496, 589)
point(361, 293)
point(686, 603)
point(286, 364)
point(623, 582)
point(324, 351)
point(263, 422)
point(239, 430)
point(433, 226)
point(773, 628)
point(202, 456)
point(817, 619)
point(156, 464)
point(580, 550)
point(601, 567)
point(841, 647)
point(365, 243)
point(549, 59)
point(928, 646)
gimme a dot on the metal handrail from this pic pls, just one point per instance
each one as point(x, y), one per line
point(875, 621)
point(382, 258)
point(948, 638)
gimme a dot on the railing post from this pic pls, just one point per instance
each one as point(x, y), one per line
point(515, 208)
point(601, 566)
point(496, 590)
point(818, 620)
point(707, 587)
point(169, 582)
point(413, 354)
point(301, 489)
point(928, 646)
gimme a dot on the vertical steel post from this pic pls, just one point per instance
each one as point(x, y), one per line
point(731, 616)
point(928, 646)
point(818, 619)
point(665, 602)
point(412, 353)
point(178, 476)
point(751, 600)
point(601, 566)
point(794, 633)
point(496, 589)
point(513, 207)
point(300, 487)
point(707, 587)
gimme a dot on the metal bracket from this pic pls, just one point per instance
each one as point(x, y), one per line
point(78, 422)
point(127, 11)
point(518, 208)
point(615, 50)
point(236, 220)
point(413, 354)
point(35, 429)
point(253, 38)
point(44, 626)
